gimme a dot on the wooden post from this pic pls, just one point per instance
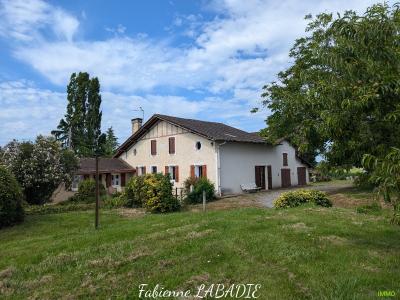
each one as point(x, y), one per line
point(96, 223)
point(204, 201)
point(176, 193)
point(181, 195)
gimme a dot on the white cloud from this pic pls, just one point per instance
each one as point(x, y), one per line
point(245, 46)
point(231, 57)
point(23, 20)
point(28, 110)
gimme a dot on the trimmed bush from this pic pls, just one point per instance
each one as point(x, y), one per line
point(87, 191)
point(151, 191)
point(299, 197)
point(11, 210)
point(199, 185)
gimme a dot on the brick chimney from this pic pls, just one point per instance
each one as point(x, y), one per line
point(136, 124)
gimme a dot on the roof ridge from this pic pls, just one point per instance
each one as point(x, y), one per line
point(197, 120)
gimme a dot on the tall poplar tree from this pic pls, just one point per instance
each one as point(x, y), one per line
point(80, 128)
point(93, 115)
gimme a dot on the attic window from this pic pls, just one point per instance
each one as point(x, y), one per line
point(134, 151)
point(231, 135)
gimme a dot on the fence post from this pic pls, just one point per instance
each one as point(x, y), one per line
point(204, 201)
point(176, 193)
point(181, 195)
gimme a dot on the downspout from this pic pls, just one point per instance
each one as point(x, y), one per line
point(219, 167)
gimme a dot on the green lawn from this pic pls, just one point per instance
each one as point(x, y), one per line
point(314, 253)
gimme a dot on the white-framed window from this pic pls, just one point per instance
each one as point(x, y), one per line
point(198, 171)
point(153, 169)
point(115, 180)
point(172, 172)
point(75, 182)
point(141, 170)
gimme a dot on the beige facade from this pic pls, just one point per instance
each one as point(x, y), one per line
point(186, 154)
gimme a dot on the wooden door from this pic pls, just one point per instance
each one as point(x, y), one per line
point(260, 176)
point(301, 176)
point(269, 170)
point(285, 177)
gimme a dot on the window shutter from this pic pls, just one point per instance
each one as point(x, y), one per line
point(171, 141)
point(285, 159)
point(176, 174)
point(166, 170)
point(144, 170)
point(153, 147)
point(108, 179)
point(192, 171)
point(122, 179)
point(204, 171)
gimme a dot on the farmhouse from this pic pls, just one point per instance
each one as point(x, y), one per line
point(227, 156)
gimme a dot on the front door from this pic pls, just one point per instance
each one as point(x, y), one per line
point(301, 176)
point(285, 177)
point(269, 170)
point(260, 176)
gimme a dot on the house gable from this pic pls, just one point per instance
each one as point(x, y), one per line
point(152, 151)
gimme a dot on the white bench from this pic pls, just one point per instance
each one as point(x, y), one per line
point(250, 187)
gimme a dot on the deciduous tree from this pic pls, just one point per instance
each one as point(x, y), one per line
point(341, 95)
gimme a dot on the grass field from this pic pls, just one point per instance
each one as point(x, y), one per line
point(307, 252)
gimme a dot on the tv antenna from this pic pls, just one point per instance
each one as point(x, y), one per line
point(142, 110)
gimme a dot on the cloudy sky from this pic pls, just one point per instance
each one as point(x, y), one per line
point(196, 59)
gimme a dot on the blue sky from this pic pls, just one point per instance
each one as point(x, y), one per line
point(196, 59)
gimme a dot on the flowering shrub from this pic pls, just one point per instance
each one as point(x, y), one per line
point(299, 197)
point(151, 191)
point(39, 167)
point(11, 210)
point(134, 192)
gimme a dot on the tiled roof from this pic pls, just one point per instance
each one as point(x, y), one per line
point(211, 130)
point(214, 130)
point(106, 165)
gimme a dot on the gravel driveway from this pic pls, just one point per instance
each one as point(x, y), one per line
point(267, 198)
